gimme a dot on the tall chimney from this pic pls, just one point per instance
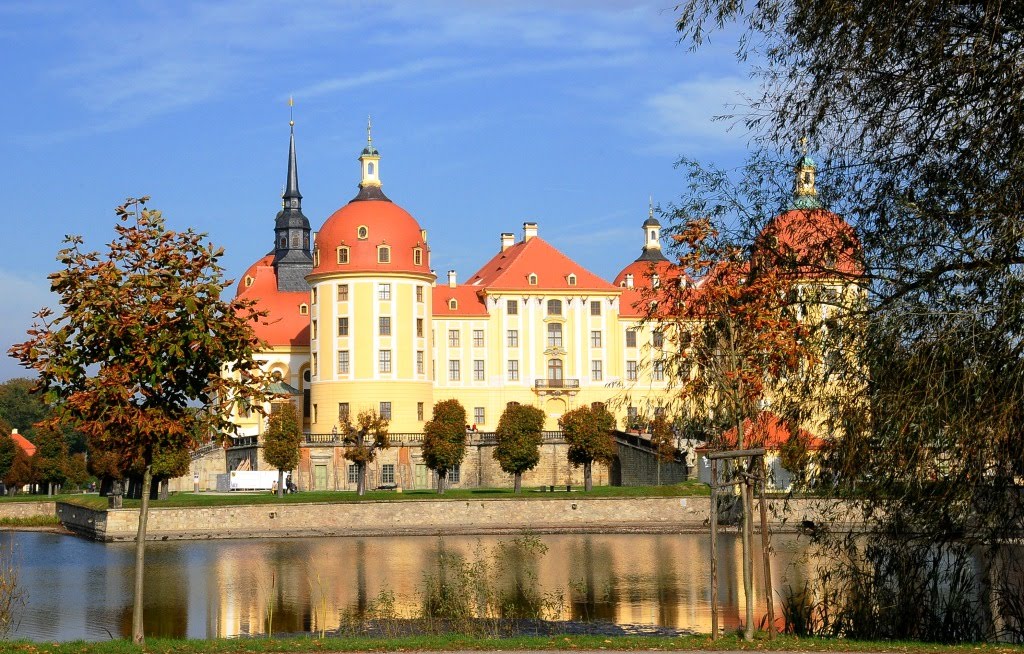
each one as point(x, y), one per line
point(529, 231)
point(451, 278)
point(508, 239)
point(14, 431)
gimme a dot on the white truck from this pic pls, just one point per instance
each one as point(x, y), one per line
point(263, 480)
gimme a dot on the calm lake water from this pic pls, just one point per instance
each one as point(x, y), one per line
point(77, 589)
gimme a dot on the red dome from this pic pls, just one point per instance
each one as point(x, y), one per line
point(642, 271)
point(365, 227)
point(285, 324)
point(815, 241)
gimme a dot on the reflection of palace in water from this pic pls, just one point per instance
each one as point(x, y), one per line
point(649, 579)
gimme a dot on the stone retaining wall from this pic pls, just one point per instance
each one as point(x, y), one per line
point(421, 517)
point(27, 509)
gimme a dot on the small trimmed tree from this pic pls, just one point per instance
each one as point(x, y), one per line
point(364, 437)
point(444, 440)
point(20, 472)
point(518, 441)
point(51, 458)
point(588, 430)
point(76, 471)
point(282, 441)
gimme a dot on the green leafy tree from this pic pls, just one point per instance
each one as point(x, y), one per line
point(20, 407)
point(588, 430)
point(444, 440)
point(143, 337)
point(20, 473)
point(518, 441)
point(75, 471)
point(8, 450)
point(282, 440)
point(365, 437)
point(168, 464)
point(51, 458)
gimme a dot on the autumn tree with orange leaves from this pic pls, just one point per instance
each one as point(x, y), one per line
point(143, 337)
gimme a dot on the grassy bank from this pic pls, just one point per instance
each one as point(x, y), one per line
point(454, 642)
point(30, 521)
point(685, 489)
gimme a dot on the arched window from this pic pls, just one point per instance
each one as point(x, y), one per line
point(304, 309)
point(555, 334)
point(554, 307)
point(555, 369)
point(453, 304)
point(284, 242)
point(533, 279)
point(369, 167)
point(571, 279)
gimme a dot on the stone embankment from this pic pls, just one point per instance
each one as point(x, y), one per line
point(431, 517)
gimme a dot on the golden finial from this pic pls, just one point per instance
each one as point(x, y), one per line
point(291, 115)
point(369, 126)
point(650, 205)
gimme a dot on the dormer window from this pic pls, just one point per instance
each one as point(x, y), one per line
point(383, 254)
point(655, 281)
point(571, 279)
point(248, 281)
point(342, 254)
point(532, 278)
point(362, 232)
point(453, 304)
point(304, 309)
point(316, 258)
point(417, 256)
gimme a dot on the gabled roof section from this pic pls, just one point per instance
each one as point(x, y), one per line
point(510, 270)
point(25, 444)
point(468, 301)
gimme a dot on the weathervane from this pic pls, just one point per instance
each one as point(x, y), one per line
point(369, 125)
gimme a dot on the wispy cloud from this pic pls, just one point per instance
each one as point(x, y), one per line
point(700, 116)
point(23, 296)
point(347, 83)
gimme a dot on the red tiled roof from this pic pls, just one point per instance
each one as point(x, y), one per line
point(769, 431)
point(817, 240)
point(468, 300)
point(386, 224)
point(283, 325)
point(510, 270)
point(26, 446)
point(633, 302)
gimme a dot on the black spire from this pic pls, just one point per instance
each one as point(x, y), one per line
point(292, 259)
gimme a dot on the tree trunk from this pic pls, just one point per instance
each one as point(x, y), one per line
point(138, 637)
point(115, 498)
point(49, 489)
point(588, 476)
point(658, 465)
point(280, 482)
point(442, 477)
point(748, 572)
point(361, 484)
point(518, 483)
point(165, 489)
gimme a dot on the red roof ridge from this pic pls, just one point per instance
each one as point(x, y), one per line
point(536, 255)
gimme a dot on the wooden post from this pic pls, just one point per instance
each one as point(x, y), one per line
point(766, 549)
point(714, 549)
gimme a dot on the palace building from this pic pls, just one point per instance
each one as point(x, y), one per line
point(357, 319)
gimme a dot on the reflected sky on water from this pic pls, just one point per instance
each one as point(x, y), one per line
point(78, 589)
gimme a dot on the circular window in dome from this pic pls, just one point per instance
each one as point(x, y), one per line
point(362, 232)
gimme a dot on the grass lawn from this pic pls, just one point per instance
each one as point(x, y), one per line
point(685, 489)
point(456, 642)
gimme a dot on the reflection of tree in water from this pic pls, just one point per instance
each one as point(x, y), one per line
point(666, 583)
point(165, 595)
point(517, 564)
point(592, 592)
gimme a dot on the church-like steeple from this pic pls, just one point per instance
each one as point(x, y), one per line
point(652, 237)
point(292, 258)
point(805, 195)
point(369, 165)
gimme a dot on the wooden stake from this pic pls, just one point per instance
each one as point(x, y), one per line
point(766, 549)
point(714, 549)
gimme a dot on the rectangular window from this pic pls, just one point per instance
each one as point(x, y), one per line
point(455, 474)
point(353, 474)
point(417, 257)
point(342, 362)
point(478, 415)
point(631, 370)
point(513, 370)
point(313, 295)
point(419, 362)
point(385, 410)
point(513, 338)
point(454, 371)
point(512, 307)
point(385, 325)
point(342, 412)
point(657, 338)
point(595, 338)
point(342, 292)
point(595, 307)
point(312, 329)
point(478, 338)
point(596, 370)
point(384, 291)
point(419, 293)
point(343, 255)
point(453, 338)
point(383, 255)
point(630, 337)
point(314, 413)
point(387, 473)
point(554, 334)
point(419, 327)
point(312, 367)
point(658, 372)
point(384, 361)
point(478, 370)
point(419, 410)
point(342, 326)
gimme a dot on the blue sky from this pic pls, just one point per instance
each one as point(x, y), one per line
point(487, 114)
